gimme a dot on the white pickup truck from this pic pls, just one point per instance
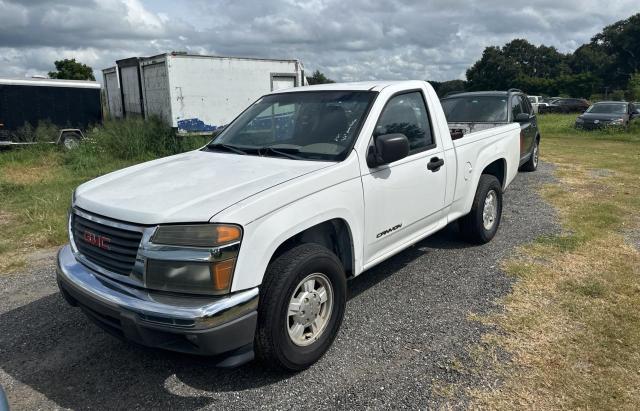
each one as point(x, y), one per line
point(245, 246)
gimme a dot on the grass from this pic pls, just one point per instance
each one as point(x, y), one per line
point(36, 182)
point(571, 324)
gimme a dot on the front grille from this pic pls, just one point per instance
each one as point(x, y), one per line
point(111, 248)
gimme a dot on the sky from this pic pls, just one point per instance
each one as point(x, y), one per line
point(348, 40)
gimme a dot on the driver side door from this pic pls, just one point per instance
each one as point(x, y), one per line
point(405, 198)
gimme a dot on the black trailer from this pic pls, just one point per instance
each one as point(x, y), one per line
point(70, 105)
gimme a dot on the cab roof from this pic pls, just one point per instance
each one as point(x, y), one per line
point(355, 86)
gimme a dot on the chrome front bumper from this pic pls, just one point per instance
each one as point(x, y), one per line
point(197, 324)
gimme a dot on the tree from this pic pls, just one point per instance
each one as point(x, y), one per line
point(70, 69)
point(589, 58)
point(444, 87)
point(515, 63)
point(621, 42)
point(492, 72)
point(634, 86)
point(318, 78)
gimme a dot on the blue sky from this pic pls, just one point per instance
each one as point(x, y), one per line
point(348, 40)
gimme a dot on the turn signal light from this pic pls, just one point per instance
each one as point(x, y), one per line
point(222, 273)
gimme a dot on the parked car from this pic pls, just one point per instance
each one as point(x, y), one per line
point(607, 114)
point(536, 102)
point(566, 105)
point(481, 110)
point(246, 245)
point(69, 105)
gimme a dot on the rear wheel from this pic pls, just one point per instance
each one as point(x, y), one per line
point(532, 163)
point(302, 302)
point(481, 224)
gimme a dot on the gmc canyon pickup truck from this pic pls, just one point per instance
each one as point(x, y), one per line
point(244, 247)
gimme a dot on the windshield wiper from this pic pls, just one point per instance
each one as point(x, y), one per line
point(283, 152)
point(226, 147)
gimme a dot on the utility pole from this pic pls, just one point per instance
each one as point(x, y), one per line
point(606, 93)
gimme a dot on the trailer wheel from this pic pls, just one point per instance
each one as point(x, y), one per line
point(481, 224)
point(302, 302)
point(70, 141)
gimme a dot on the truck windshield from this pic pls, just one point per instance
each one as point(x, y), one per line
point(318, 125)
point(475, 109)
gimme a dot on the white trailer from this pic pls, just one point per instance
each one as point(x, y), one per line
point(198, 94)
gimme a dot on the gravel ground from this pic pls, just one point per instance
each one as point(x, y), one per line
point(405, 329)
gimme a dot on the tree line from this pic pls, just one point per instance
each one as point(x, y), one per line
point(606, 67)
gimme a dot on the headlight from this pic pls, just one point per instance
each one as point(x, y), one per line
point(617, 121)
point(197, 235)
point(200, 258)
point(579, 120)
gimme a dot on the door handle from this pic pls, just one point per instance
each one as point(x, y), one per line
point(435, 163)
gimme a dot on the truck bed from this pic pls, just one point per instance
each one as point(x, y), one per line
point(469, 127)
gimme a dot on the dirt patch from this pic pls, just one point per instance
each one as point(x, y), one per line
point(6, 217)
point(28, 174)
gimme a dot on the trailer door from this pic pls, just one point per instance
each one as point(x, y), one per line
point(282, 81)
point(130, 83)
point(114, 98)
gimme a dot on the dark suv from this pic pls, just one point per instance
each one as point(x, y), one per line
point(480, 110)
point(567, 105)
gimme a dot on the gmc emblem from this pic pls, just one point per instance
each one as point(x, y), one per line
point(96, 240)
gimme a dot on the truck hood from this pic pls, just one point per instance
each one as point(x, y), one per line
point(189, 187)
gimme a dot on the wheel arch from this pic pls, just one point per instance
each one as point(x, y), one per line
point(334, 234)
point(69, 131)
point(498, 169)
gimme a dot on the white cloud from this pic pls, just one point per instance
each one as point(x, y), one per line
point(348, 40)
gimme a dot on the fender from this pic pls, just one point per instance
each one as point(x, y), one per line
point(263, 236)
point(472, 161)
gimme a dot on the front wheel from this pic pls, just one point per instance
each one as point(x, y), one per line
point(302, 302)
point(481, 224)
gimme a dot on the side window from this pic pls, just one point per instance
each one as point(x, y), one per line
point(407, 114)
point(516, 106)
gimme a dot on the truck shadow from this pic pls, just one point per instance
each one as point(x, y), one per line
point(55, 350)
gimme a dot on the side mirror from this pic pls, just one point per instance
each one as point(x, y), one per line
point(522, 117)
point(387, 148)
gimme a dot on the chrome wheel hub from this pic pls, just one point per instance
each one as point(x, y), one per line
point(535, 155)
point(490, 210)
point(309, 310)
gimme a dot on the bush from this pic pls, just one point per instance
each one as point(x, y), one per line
point(44, 132)
point(130, 140)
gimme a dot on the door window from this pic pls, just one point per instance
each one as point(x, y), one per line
point(516, 106)
point(407, 114)
point(526, 106)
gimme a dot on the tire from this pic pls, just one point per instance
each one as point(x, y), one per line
point(472, 226)
point(70, 141)
point(532, 163)
point(277, 343)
